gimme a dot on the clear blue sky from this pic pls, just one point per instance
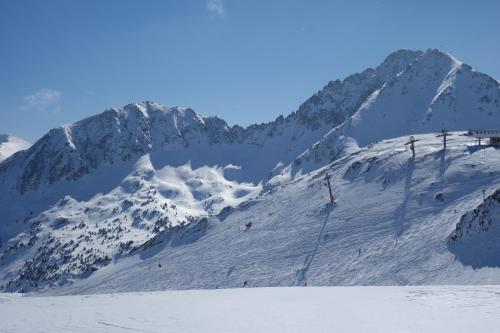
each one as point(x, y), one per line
point(245, 60)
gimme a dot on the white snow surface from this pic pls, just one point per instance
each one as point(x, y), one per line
point(391, 225)
point(441, 309)
point(10, 144)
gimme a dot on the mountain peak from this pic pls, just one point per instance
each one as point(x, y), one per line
point(434, 52)
point(152, 106)
point(399, 60)
point(396, 62)
point(402, 55)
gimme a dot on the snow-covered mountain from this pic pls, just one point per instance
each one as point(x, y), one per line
point(181, 135)
point(434, 92)
point(114, 193)
point(393, 224)
point(10, 144)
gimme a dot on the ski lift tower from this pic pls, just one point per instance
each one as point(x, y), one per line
point(444, 134)
point(492, 134)
point(411, 142)
point(327, 178)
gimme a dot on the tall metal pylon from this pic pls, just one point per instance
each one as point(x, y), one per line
point(444, 134)
point(327, 178)
point(411, 142)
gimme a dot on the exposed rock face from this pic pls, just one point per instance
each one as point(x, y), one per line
point(478, 220)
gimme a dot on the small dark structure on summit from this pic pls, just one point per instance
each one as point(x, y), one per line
point(492, 134)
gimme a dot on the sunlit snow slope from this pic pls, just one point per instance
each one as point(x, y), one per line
point(391, 225)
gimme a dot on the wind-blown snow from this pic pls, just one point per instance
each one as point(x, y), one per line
point(10, 144)
point(73, 238)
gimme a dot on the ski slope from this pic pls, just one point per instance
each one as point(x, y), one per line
point(333, 309)
point(391, 225)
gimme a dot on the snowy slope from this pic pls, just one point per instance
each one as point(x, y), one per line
point(353, 309)
point(74, 238)
point(10, 144)
point(391, 225)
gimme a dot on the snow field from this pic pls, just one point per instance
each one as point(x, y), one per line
point(332, 309)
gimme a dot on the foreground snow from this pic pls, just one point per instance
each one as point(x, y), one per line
point(333, 309)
